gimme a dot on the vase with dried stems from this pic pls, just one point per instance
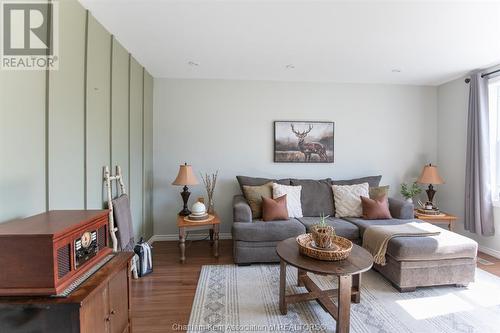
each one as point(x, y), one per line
point(210, 180)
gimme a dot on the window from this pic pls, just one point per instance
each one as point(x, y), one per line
point(494, 101)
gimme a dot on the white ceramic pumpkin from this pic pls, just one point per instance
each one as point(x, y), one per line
point(198, 208)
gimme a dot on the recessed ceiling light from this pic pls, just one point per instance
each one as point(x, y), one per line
point(396, 70)
point(194, 64)
point(290, 66)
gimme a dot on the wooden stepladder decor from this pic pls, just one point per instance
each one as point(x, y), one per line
point(108, 179)
point(120, 189)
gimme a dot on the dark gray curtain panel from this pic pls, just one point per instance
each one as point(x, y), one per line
point(478, 203)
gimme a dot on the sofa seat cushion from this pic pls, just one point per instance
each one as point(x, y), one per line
point(446, 245)
point(362, 224)
point(316, 197)
point(260, 231)
point(342, 227)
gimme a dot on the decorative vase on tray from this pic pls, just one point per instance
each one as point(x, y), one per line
point(323, 234)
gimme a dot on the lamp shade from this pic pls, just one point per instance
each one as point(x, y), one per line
point(430, 175)
point(185, 176)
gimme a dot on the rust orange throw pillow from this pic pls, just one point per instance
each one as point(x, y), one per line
point(274, 209)
point(377, 209)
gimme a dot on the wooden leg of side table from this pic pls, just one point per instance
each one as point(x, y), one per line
point(182, 244)
point(216, 240)
point(344, 304)
point(283, 308)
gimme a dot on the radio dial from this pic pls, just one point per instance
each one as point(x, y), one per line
point(86, 239)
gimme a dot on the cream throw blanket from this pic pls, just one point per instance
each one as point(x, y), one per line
point(377, 237)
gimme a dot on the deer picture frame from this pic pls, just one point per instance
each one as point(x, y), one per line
point(304, 141)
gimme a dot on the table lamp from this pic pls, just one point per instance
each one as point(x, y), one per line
point(430, 175)
point(184, 178)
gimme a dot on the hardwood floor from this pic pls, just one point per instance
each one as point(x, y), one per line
point(165, 297)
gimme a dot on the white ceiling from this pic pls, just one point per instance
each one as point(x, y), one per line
point(339, 41)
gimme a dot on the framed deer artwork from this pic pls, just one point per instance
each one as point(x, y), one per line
point(303, 141)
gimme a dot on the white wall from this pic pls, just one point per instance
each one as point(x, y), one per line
point(228, 125)
point(452, 125)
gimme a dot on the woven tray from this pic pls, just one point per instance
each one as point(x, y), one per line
point(209, 218)
point(341, 252)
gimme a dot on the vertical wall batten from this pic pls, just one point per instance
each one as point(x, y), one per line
point(111, 104)
point(85, 110)
point(47, 105)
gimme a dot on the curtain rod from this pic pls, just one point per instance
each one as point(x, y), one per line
point(467, 80)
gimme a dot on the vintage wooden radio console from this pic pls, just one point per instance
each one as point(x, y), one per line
point(45, 253)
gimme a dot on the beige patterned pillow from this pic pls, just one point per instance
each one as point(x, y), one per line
point(379, 191)
point(254, 195)
point(348, 199)
point(293, 204)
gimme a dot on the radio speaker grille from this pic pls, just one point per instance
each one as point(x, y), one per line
point(63, 261)
point(101, 237)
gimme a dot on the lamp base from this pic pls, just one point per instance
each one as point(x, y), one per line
point(185, 212)
point(185, 196)
point(430, 193)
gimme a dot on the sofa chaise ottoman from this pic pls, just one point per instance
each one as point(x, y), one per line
point(411, 262)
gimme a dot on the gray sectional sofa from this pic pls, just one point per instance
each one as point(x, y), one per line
point(447, 258)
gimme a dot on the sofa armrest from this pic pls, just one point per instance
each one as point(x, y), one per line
point(241, 209)
point(401, 209)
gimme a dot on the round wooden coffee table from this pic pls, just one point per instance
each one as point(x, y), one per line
point(348, 272)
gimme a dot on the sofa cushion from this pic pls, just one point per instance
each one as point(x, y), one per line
point(316, 197)
point(446, 245)
point(254, 195)
point(274, 209)
point(342, 227)
point(362, 224)
point(348, 199)
point(379, 191)
point(260, 231)
point(255, 181)
point(373, 181)
point(293, 194)
point(375, 209)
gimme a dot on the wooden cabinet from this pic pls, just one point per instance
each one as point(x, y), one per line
point(100, 304)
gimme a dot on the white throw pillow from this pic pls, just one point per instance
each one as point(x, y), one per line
point(347, 199)
point(293, 204)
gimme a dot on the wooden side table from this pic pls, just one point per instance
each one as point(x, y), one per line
point(184, 226)
point(447, 219)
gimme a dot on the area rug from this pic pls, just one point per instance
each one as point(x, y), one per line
point(245, 299)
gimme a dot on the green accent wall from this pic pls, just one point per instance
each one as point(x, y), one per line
point(136, 143)
point(59, 128)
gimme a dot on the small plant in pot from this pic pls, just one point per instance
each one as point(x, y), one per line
point(323, 234)
point(410, 191)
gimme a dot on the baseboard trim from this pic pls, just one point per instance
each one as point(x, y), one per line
point(489, 251)
point(175, 237)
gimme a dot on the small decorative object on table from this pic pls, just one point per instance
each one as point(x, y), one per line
point(341, 250)
point(410, 191)
point(210, 180)
point(198, 212)
point(185, 177)
point(323, 234)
